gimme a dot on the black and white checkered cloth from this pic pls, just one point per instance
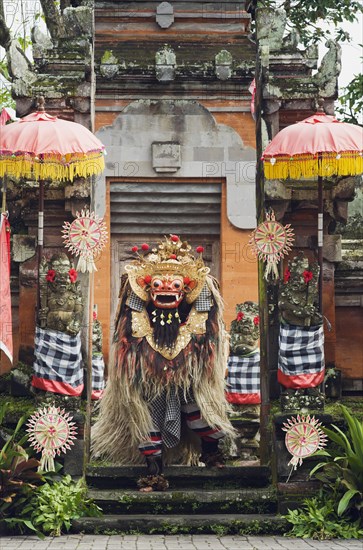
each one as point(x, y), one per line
point(98, 372)
point(301, 350)
point(165, 411)
point(58, 357)
point(204, 301)
point(134, 302)
point(244, 373)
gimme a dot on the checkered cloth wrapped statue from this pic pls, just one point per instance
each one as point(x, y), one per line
point(243, 371)
point(166, 376)
point(58, 359)
point(301, 343)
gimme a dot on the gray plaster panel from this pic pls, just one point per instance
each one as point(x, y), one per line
point(207, 149)
point(208, 153)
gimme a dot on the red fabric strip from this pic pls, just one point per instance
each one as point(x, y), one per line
point(301, 381)
point(96, 394)
point(243, 398)
point(56, 387)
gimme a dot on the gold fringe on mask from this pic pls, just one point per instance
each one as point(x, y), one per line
point(309, 166)
point(124, 420)
point(52, 167)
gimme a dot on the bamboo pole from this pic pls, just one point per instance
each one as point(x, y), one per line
point(320, 238)
point(3, 201)
point(87, 425)
point(265, 427)
point(40, 238)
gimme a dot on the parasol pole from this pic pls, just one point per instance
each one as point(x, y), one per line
point(3, 202)
point(40, 236)
point(87, 426)
point(265, 408)
point(320, 236)
point(40, 107)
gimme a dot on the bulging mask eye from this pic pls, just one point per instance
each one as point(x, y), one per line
point(176, 284)
point(156, 283)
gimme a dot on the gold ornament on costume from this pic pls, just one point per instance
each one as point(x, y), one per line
point(170, 267)
point(196, 324)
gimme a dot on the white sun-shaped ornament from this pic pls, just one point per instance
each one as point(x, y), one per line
point(303, 437)
point(85, 237)
point(271, 241)
point(51, 432)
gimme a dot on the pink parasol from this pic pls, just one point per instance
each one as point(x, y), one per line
point(42, 147)
point(319, 146)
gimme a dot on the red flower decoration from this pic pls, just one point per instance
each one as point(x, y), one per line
point(50, 276)
point(145, 247)
point(256, 320)
point(94, 315)
point(174, 238)
point(187, 281)
point(147, 279)
point(73, 275)
point(135, 248)
point(287, 275)
point(199, 249)
point(240, 316)
point(172, 256)
point(307, 276)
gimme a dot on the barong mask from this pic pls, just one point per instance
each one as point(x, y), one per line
point(168, 274)
point(167, 282)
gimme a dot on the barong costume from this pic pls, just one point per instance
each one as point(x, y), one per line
point(170, 350)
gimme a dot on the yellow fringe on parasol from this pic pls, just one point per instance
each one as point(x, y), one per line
point(52, 167)
point(309, 166)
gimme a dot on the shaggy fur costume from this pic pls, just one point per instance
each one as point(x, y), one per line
point(137, 373)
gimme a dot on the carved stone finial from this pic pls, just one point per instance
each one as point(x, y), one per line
point(223, 65)
point(109, 66)
point(165, 64)
point(165, 15)
point(40, 103)
point(320, 105)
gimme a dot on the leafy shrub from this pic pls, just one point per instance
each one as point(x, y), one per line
point(18, 475)
point(337, 512)
point(342, 470)
point(25, 505)
point(54, 505)
point(319, 520)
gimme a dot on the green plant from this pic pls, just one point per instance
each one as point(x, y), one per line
point(342, 470)
point(18, 475)
point(319, 520)
point(54, 505)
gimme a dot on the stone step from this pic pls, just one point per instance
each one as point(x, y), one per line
point(220, 524)
point(191, 501)
point(230, 477)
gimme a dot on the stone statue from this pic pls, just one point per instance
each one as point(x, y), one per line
point(245, 329)
point(97, 337)
point(298, 296)
point(60, 297)
point(301, 365)
point(58, 358)
point(243, 380)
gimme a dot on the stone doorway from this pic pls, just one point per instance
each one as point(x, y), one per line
point(146, 211)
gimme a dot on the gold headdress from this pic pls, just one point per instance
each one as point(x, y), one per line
point(171, 257)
